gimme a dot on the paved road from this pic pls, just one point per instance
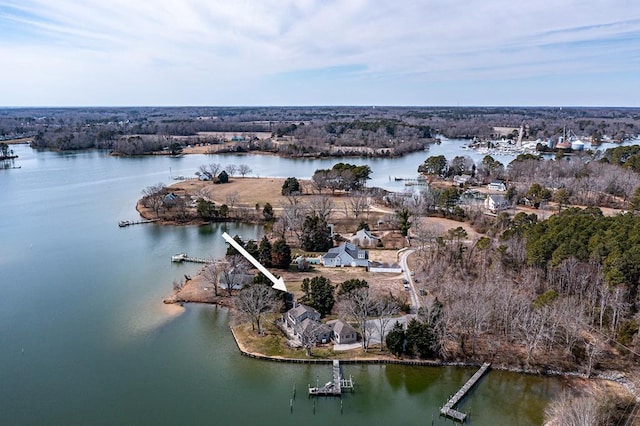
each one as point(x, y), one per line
point(415, 300)
point(413, 295)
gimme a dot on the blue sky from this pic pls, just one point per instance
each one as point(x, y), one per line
point(320, 52)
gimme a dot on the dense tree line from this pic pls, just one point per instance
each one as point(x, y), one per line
point(316, 130)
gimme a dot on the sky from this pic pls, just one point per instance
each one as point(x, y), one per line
point(320, 52)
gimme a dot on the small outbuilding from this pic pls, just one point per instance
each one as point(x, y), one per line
point(343, 333)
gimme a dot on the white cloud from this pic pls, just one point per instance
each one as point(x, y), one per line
point(174, 51)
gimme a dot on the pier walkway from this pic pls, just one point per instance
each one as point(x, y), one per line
point(124, 223)
point(336, 386)
point(183, 257)
point(448, 410)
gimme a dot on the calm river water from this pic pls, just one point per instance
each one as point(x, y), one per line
point(85, 339)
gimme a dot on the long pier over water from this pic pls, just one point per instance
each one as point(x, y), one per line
point(448, 409)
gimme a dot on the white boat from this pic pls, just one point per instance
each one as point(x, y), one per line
point(178, 257)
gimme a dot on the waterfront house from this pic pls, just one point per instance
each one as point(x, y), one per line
point(346, 254)
point(343, 333)
point(237, 279)
point(317, 331)
point(461, 179)
point(298, 314)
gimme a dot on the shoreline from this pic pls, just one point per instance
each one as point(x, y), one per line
point(616, 377)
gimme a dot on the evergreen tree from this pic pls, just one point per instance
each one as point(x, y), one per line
point(252, 248)
point(420, 339)
point(281, 254)
point(316, 235)
point(231, 250)
point(350, 285)
point(318, 294)
point(405, 223)
point(395, 339)
point(267, 212)
point(207, 209)
point(291, 186)
point(435, 165)
point(264, 252)
point(363, 225)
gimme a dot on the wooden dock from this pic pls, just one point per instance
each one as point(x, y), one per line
point(334, 387)
point(124, 223)
point(448, 409)
point(406, 179)
point(183, 257)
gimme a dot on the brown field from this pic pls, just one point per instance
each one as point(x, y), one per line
point(250, 191)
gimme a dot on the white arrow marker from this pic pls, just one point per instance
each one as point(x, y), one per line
point(278, 283)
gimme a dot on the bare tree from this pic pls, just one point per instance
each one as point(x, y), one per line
point(319, 180)
point(244, 169)
point(293, 214)
point(386, 307)
point(359, 203)
point(153, 197)
point(214, 169)
point(204, 172)
point(232, 198)
point(574, 410)
point(306, 331)
point(231, 169)
point(211, 275)
point(255, 301)
point(232, 272)
point(322, 206)
point(359, 305)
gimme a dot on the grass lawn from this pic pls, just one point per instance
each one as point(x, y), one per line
point(273, 344)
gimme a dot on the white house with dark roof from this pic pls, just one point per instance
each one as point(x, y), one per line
point(496, 203)
point(497, 185)
point(346, 254)
point(364, 238)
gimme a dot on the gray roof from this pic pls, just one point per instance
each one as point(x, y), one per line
point(314, 326)
point(346, 247)
point(301, 309)
point(498, 198)
point(341, 327)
